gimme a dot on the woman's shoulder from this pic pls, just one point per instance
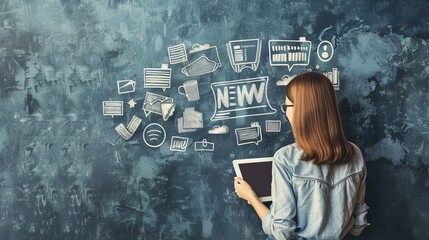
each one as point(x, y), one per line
point(289, 154)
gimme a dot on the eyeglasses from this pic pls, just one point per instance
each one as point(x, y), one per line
point(284, 107)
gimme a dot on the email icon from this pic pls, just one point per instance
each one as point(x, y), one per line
point(158, 104)
point(126, 86)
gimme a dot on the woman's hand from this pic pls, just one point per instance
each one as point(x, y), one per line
point(244, 190)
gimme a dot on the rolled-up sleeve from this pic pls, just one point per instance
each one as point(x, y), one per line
point(361, 210)
point(279, 221)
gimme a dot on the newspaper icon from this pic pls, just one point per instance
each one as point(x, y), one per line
point(158, 104)
point(241, 98)
point(178, 144)
point(249, 135)
point(289, 53)
point(154, 135)
point(334, 76)
point(177, 54)
point(126, 86)
point(128, 132)
point(180, 128)
point(113, 108)
point(244, 54)
point(273, 126)
point(202, 59)
point(192, 118)
point(204, 146)
point(325, 51)
point(157, 77)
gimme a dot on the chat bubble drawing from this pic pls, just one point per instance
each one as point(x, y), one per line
point(289, 53)
point(249, 135)
point(113, 108)
point(157, 77)
point(241, 98)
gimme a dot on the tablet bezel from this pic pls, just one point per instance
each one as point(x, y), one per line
point(237, 170)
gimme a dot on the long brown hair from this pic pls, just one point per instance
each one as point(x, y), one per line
point(316, 122)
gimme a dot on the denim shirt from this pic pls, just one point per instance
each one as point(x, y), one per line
point(315, 201)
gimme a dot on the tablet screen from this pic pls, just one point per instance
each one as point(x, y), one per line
point(258, 174)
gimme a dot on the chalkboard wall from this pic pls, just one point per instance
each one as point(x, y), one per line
point(66, 173)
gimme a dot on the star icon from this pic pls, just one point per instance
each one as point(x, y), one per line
point(132, 103)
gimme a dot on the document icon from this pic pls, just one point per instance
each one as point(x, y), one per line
point(126, 86)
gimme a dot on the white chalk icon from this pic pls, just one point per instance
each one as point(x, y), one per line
point(177, 54)
point(334, 76)
point(158, 104)
point(224, 129)
point(202, 59)
point(178, 144)
point(241, 98)
point(192, 119)
point(273, 126)
point(113, 108)
point(190, 89)
point(204, 146)
point(154, 135)
point(325, 51)
point(157, 77)
point(244, 53)
point(127, 132)
point(132, 103)
point(180, 128)
point(285, 80)
point(126, 86)
point(249, 135)
point(289, 53)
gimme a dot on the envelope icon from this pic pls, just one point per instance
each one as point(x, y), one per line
point(153, 103)
point(126, 86)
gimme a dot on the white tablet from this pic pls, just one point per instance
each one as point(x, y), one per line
point(256, 172)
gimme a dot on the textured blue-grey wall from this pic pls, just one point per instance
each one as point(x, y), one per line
point(64, 174)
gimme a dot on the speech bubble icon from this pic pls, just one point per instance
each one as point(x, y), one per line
point(249, 135)
point(113, 108)
point(289, 53)
point(157, 77)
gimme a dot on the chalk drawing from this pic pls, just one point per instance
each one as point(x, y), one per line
point(177, 54)
point(190, 89)
point(273, 126)
point(204, 146)
point(202, 59)
point(285, 80)
point(126, 86)
point(157, 77)
point(289, 53)
point(244, 54)
point(154, 135)
point(334, 76)
point(128, 132)
point(113, 108)
point(224, 129)
point(325, 51)
point(241, 98)
point(249, 135)
point(158, 104)
point(178, 144)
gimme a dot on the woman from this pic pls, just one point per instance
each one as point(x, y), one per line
point(318, 185)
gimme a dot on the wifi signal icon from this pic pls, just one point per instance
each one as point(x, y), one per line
point(154, 135)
